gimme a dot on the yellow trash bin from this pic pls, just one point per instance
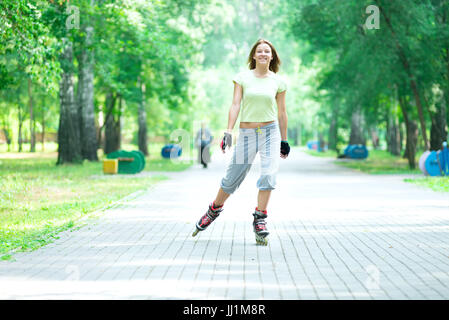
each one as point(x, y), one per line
point(110, 166)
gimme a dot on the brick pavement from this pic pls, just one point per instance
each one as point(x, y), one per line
point(335, 234)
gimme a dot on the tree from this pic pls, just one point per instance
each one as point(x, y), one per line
point(407, 52)
point(85, 90)
point(69, 147)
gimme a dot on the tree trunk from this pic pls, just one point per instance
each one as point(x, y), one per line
point(20, 139)
point(43, 127)
point(393, 135)
point(411, 135)
point(6, 132)
point(32, 131)
point(112, 137)
point(374, 138)
point(413, 84)
point(321, 141)
point(412, 141)
point(438, 132)
point(293, 134)
point(85, 99)
point(142, 121)
point(100, 135)
point(446, 99)
point(357, 136)
point(333, 130)
point(69, 147)
point(112, 126)
point(8, 138)
point(296, 136)
point(119, 123)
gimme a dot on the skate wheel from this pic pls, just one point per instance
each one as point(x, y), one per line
point(195, 232)
point(262, 241)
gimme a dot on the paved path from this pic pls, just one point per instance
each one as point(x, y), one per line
point(335, 234)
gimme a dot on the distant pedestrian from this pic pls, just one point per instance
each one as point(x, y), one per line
point(203, 140)
point(263, 128)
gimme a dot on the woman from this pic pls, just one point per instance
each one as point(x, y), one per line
point(260, 90)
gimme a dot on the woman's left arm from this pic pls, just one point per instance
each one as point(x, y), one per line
point(282, 114)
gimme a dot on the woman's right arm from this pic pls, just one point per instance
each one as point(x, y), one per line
point(235, 107)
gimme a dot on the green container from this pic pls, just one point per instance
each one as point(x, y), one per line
point(141, 156)
point(129, 162)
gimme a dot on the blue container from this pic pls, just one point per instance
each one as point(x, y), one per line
point(437, 162)
point(356, 151)
point(359, 152)
point(432, 164)
point(314, 145)
point(171, 151)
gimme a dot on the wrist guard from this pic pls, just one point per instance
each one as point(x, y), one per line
point(285, 148)
point(226, 141)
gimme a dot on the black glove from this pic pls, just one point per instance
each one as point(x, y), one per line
point(226, 141)
point(285, 148)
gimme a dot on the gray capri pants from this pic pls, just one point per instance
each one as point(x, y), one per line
point(267, 141)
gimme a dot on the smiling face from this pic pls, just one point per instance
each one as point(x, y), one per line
point(263, 54)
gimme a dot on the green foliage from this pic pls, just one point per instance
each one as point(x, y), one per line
point(370, 67)
point(25, 35)
point(134, 42)
point(185, 52)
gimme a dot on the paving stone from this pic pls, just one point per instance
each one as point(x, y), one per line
point(334, 234)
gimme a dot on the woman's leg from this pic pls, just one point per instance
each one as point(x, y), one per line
point(243, 156)
point(269, 158)
point(221, 197)
point(269, 153)
point(262, 199)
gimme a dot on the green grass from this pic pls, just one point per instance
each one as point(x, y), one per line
point(440, 184)
point(382, 162)
point(324, 154)
point(378, 162)
point(39, 199)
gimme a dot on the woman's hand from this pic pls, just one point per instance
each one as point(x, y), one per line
point(226, 141)
point(285, 149)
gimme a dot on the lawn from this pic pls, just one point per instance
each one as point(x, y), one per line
point(378, 162)
point(440, 184)
point(39, 199)
point(382, 162)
